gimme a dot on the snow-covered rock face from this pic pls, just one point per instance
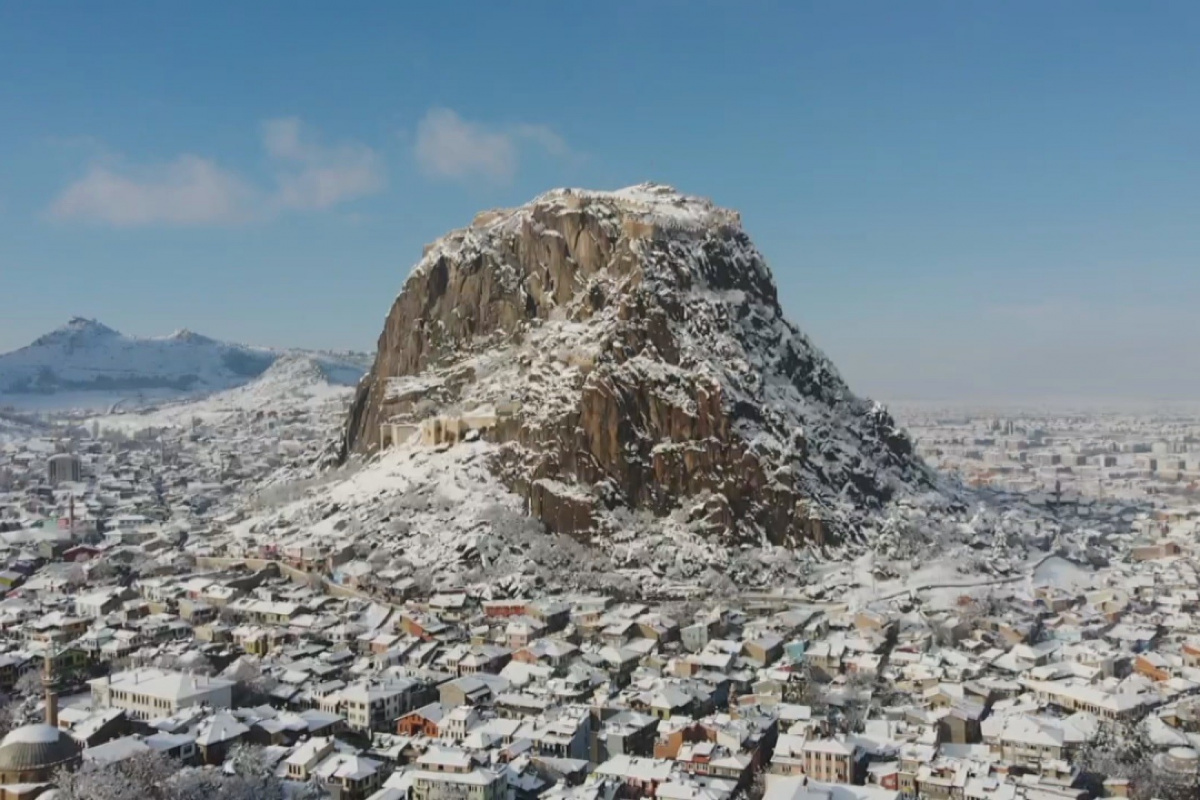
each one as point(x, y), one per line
point(86, 356)
point(632, 349)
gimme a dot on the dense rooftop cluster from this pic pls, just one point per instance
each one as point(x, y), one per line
point(190, 582)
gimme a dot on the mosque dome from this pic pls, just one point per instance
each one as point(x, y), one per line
point(36, 748)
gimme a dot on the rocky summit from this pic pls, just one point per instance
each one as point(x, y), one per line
point(626, 356)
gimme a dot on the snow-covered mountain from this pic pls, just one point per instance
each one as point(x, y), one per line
point(87, 358)
point(624, 355)
point(295, 383)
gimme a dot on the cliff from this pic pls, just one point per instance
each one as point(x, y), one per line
point(626, 353)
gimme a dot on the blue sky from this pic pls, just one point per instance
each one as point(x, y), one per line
point(959, 200)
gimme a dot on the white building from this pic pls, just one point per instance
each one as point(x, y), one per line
point(373, 707)
point(474, 784)
point(149, 693)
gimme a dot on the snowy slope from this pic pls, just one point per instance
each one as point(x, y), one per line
point(294, 383)
point(15, 428)
point(446, 514)
point(86, 357)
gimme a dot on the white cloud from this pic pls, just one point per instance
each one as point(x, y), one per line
point(319, 177)
point(281, 137)
point(191, 190)
point(448, 146)
point(187, 191)
point(545, 137)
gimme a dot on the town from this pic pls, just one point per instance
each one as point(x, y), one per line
point(137, 625)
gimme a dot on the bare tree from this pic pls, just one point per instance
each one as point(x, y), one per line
point(255, 773)
point(10, 714)
point(146, 776)
point(152, 776)
point(29, 684)
point(1123, 750)
point(758, 786)
point(856, 699)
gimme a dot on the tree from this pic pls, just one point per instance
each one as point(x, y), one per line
point(10, 712)
point(252, 682)
point(29, 684)
point(146, 776)
point(1124, 750)
point(315, 581)
point(104, 570)
point(153, 776)
point(193, 662)
point(860, 689)
point(812, 693)
point(758, 786)
point(251, 767)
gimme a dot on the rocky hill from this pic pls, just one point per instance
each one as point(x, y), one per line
point(625, 353)
point(294, 386)
point(86, 357)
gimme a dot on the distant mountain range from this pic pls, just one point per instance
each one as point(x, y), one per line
point(87, 357)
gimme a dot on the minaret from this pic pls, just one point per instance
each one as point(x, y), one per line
point(48, 689)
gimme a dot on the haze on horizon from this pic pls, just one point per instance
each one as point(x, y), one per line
point(959, 202)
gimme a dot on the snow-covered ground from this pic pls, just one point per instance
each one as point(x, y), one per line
point(439, 509)
point(96, 402)
point(293, 383)
point(1064, 574)
point(11, 430)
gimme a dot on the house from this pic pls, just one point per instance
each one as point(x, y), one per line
point(447, 774)
point(302, 762)
point(552, 614)
point(148, 693)
point(370, 706)
point(478, 784)
point(555, 653)
point(830, 761)
point(1032, 741)
point(458, 722)
point(179, 746)
point(469, 690)
point(500, 609)
point(217, 736)
point(640, 777)
point(347, 776)
point(483, 658)
point(424, 721)
point(97, 604)
point(1153, 665)
point(1074, 696)
point(764, 650)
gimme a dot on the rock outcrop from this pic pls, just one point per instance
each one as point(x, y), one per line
point(633, 350)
